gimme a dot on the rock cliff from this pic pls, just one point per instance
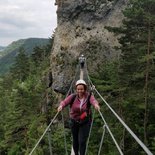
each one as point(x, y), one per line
point(81, 30)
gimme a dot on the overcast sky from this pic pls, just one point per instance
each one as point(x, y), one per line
point(20, 19)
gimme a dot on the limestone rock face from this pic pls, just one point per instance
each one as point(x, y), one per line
point(81, 30)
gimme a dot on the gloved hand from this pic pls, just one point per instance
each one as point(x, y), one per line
point(83, 115)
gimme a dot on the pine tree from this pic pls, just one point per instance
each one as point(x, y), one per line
point(137, 68)
point(21, 67)
point(22, 97)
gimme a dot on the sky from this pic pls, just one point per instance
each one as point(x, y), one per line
point(21, 19)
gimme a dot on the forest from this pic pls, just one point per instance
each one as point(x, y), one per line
point(28, 103)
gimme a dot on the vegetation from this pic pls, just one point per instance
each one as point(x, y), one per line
point(133, 84)
point(23, 101)
point(7, 56)
point(127, 84)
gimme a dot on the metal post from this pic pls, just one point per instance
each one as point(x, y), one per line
point(49, 141)
point(102, 139)
point(47, 117)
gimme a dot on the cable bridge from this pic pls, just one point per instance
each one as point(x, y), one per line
point(82, 73)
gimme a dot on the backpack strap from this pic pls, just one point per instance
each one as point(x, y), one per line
point(72, 100)
point(88, 101)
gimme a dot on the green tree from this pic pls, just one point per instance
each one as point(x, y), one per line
point(21, 67)
point(22, 98)
point(137, 70)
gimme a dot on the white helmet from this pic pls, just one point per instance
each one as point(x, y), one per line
point(80, 82)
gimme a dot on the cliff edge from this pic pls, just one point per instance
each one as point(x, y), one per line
point(81, 30)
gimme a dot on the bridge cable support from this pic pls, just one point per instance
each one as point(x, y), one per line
point(127, 128)
point(90, 131)
point(49, 141)
point(47, 129)
point(103, 134)
point(121, 121)
point(107, 127)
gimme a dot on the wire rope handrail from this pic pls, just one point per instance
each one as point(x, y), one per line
point(92, 117)
point(123, 123)
point(105, 123)
point(70, 89)
point(44, 133)
point(54, 119)
point(111, 134)
point(90, 132)
point(65, 141)
point(103, 134)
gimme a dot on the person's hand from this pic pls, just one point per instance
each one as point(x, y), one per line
point(59, 108)
point(97, 107)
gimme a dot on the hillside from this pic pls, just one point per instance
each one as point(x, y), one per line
point(2, 48)
point(9, 53)
point(119, 72)
point(1, 51)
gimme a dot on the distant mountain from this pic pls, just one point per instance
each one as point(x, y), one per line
point(8, 54)
point(2, 48)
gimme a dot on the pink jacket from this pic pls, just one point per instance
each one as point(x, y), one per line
point(76, 110)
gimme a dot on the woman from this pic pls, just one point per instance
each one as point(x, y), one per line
point(80, 115)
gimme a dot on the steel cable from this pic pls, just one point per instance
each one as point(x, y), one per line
point(44, 133)
point(105, 124)
point(124, 124)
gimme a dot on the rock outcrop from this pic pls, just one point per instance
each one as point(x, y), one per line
point(81, 30)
